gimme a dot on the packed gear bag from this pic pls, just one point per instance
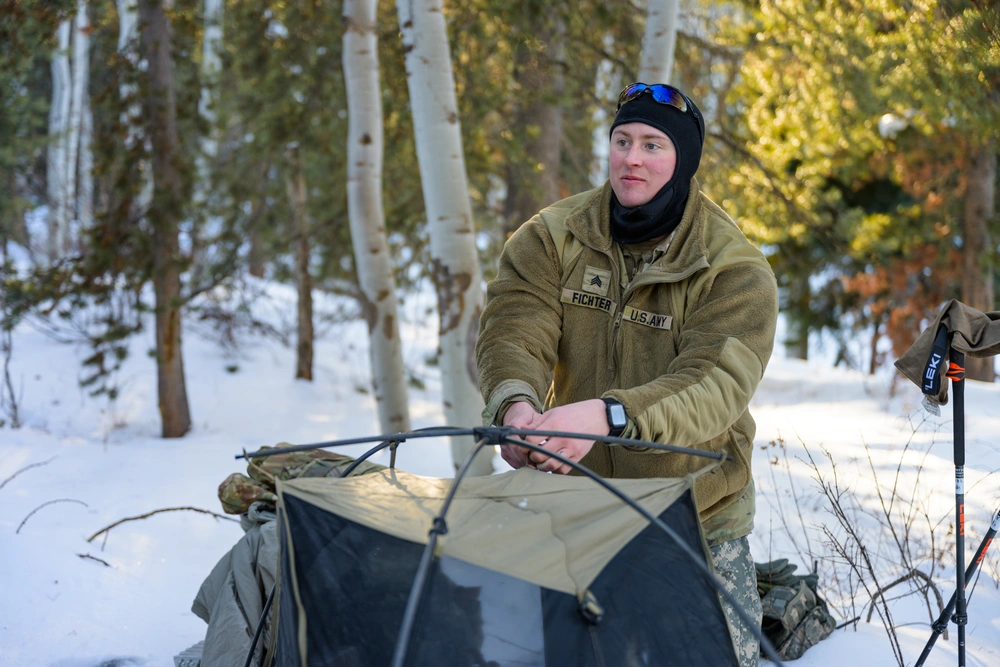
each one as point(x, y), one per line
point(238, 492)
point(795, 616)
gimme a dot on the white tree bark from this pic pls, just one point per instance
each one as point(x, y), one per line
point(79, 100)
point(128, 46)
point(659, 41)
point(85, 193)
point(211, 65)
point(56, 163)
point(365, 143)
point(455, 264)
point(607, 85)
point(128, 23)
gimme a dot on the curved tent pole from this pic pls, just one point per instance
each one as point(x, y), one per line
point(395, 437)
point(502, 435)
point(495, 434)
point(440, 528)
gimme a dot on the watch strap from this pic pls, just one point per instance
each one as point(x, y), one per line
point(617, 426)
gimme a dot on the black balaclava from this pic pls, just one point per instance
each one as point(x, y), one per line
point(661, 214)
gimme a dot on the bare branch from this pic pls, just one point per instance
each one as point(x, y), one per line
point(51, 502)
point(27, 467)
point(159, 511)
point(88, 556)
point(906, 577)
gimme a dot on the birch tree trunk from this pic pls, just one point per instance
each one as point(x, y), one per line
point(364, 204)
point(165, 215)
point(211, 65)
point(607, 85)
point(659, 41)
point(85, 193)
point(128, 22)
point(131, 118)
point(58, 121)
point(978, 252)
point(79, 101)
point(455, 265)
point(295, 184)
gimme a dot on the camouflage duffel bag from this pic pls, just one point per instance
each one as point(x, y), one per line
point(237, 492)
point(795, 616)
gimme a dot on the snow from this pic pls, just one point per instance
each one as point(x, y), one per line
point(105, 462)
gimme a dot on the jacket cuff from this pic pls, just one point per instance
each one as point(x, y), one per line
point(507, 393)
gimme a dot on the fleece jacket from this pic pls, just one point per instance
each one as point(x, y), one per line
point(682, 345)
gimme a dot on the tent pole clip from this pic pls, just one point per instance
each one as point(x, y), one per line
point(439, 526)
point(493, 435)
point(591, 609)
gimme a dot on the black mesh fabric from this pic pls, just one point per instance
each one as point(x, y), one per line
point(354, 583)
point(658, 609)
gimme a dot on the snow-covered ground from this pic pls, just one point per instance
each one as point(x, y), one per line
point(62, 607)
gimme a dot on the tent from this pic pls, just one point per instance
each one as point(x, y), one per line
point(534, 570)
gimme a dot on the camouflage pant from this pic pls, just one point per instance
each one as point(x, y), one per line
point(734, 564)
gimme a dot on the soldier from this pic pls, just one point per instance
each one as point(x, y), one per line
point(639, 309)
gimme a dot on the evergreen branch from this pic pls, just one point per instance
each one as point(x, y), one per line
point(729, 142)
point(729, 53)
point(625, 66)
point(228, 264)
point(159, 511)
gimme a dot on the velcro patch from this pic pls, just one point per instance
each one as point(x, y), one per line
point(646, 318)
point(588, 301)
point(596, 281)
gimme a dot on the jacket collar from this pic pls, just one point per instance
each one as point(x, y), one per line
point(590, 223)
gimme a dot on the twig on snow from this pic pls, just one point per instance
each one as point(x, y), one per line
point(102, 562)
point(166, 509)
point(51, 502)
point(27, 467)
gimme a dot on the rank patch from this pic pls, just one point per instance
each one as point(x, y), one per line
point(596, 281)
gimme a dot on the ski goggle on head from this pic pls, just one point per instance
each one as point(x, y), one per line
point(660, 92)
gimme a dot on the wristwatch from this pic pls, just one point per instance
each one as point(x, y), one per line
point(617, 419)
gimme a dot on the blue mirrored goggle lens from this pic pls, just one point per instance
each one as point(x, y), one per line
point(665, 95)
point(661, 93)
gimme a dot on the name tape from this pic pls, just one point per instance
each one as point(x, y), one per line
point(588, 300)
point(646, 318)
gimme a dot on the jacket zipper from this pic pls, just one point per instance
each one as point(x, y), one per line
point(615, 321)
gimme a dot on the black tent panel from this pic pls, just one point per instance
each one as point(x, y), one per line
point(657, 608)
point(348, 584)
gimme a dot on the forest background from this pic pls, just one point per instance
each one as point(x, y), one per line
point(176, 147)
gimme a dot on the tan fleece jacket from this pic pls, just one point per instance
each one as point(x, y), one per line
point(682, 346)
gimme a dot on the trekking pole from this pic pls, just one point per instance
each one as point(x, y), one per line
point(956, 373)
point(941, 624)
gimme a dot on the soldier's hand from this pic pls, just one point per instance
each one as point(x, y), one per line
point(519, 415)
point(581, 417)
